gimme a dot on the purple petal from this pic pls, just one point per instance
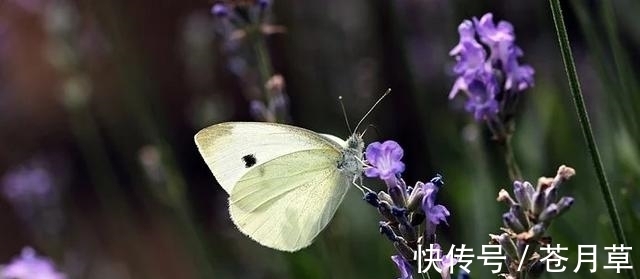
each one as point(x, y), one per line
point(459, 85)
point(438, 214)
point(385, 159)
point(394, 149)
point(403, 266)
point(371, 172)
point(373, 153)
point(30, 265)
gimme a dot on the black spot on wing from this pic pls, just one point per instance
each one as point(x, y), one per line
point(249, 160)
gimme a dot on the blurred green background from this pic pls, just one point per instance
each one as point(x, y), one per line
point(104, 98)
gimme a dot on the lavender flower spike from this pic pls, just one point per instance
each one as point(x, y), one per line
point(384, 159)
point(487, 68)
point(30, 266)
point(406, 210)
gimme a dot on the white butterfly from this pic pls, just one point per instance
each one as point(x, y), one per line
point(284, 182)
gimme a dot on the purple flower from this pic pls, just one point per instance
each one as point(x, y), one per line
point(435, 214)
point(220, 10)
point(482, 89)
point(470, 54)
point(467, 33)
point(498, 38)
point(403, 266)
point(33, 193)
point(446, 266)
point(484, 76)
point(384, 159)
point(444, 263)
point(31, 266)
point(29, 183)
point(519, 77)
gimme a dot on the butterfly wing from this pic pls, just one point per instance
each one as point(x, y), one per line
point(283, 181)
point(234, 148)
point(286, 202)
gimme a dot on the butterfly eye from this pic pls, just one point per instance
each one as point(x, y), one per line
point(249, 160)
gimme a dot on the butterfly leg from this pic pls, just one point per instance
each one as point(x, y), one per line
point(360, 186)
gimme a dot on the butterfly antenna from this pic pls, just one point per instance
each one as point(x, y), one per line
point(372, 107)
point(344, 112)
point(370, 126)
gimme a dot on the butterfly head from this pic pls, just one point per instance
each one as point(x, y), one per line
point(352, 162)
point(355, 142)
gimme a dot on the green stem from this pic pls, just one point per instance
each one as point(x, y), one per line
point(510, 160)
point(502, 135)
point(574, 85)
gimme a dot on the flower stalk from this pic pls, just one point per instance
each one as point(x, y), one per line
point(585, 124)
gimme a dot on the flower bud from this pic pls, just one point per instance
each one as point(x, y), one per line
point(400, 214)
point(548, 213)
point(511, 222)
point(383, 196)
point(415, 199)
point(518, 211)
point(504, 196)
point(385, 209)
point(521, 195)
point(551, 195)
point(508, 246)
point(387, 231)
point(528, 188)
point(564, 204)
point(372, 199)
point(565, 172)
point(397, 195)
point(539, 202)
